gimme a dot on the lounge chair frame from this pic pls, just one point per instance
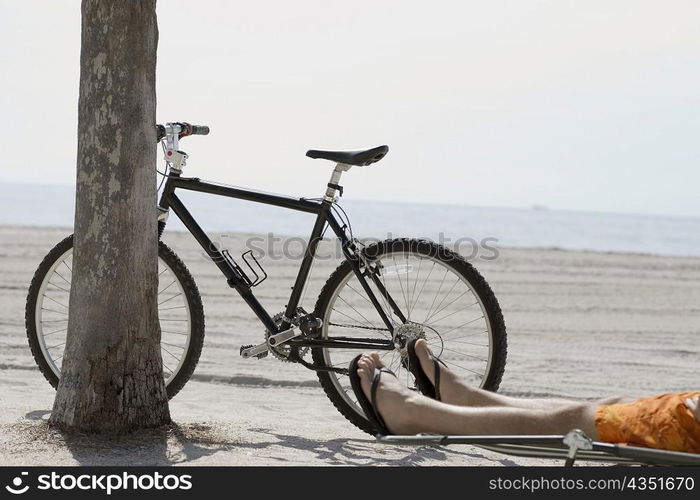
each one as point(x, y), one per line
point(570, 447)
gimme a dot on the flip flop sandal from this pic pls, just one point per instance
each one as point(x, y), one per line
point(369, 407)
point(425, 386)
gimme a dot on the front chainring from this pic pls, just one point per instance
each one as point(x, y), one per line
point(282, 351)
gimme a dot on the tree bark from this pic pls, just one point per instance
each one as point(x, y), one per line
point(112, 374)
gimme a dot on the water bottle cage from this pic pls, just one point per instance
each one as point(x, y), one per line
point(240, 273)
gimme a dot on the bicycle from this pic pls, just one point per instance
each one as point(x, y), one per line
point(381, 296)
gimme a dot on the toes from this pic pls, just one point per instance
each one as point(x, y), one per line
point(425, 359)
point(364, 368)
point(377, 360)
point(367, 360)
point(422, 347)
point(364, 371)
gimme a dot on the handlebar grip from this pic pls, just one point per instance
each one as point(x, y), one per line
point(185, 130)
point(200, 130)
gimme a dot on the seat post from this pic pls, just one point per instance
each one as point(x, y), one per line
point(333, 185)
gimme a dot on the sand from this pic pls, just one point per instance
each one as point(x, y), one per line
point(580, 325)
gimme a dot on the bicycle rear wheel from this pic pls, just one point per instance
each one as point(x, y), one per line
point(180, 313)
point(444, 300)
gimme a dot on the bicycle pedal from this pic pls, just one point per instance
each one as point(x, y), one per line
point(254, 351)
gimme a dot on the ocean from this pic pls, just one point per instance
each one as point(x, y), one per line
point(538, 227)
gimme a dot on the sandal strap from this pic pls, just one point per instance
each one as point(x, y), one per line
point(376, 377)
point(436, 364)
point(423, 383)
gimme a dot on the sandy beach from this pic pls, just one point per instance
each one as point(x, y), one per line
point(580, 325)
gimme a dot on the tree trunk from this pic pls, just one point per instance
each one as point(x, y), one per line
point(112, 374)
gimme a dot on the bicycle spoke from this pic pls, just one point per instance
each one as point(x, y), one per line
point(174, 357)
point(452, 313)
point(54, 311)
point(172, 345)
point(463, 324)
point(57, 331)
point(358, 312)
point(465, 354)
point(415, 283)
point(171, 298)
point(400, 284)
point(443, 299)
point(450, 303)
point(57, 302)
point(457, 342)
point(60, 288)
point(171, 284)
point(364, 297)
point(391, 365)
point(386, 353)
point(447, 362)
point(436, 296)
point(350, 318)
point(171, 308)
point(423, 287)
point(61, 276)
point(168, 368)
point(454, 339)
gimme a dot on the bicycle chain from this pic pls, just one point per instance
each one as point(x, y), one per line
point(360, 327)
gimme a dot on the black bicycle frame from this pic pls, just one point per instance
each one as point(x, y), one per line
point(324, 215)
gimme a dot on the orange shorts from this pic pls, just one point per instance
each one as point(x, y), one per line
point(662, 422)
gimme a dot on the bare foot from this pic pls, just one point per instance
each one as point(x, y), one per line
point(396, 404)
point(452, 389)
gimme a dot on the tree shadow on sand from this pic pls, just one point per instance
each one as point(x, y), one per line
point(167, 445)
point(186, 443)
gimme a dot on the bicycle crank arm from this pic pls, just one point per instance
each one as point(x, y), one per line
point(261, 350)
point(282, 337)
point(254, 351)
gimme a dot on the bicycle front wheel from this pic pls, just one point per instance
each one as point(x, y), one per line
point(180, 314)
point(443, 299)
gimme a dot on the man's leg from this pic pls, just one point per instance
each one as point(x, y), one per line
point(406, 412)
point(455, 391)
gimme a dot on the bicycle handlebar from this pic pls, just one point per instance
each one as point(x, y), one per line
point(200, 130)
point(185, 129)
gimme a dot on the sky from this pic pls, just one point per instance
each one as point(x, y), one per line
point(578, 105)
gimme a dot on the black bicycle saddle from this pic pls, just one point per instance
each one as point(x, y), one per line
point(359, 158)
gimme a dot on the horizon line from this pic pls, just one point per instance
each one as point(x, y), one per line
point(535, 207)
